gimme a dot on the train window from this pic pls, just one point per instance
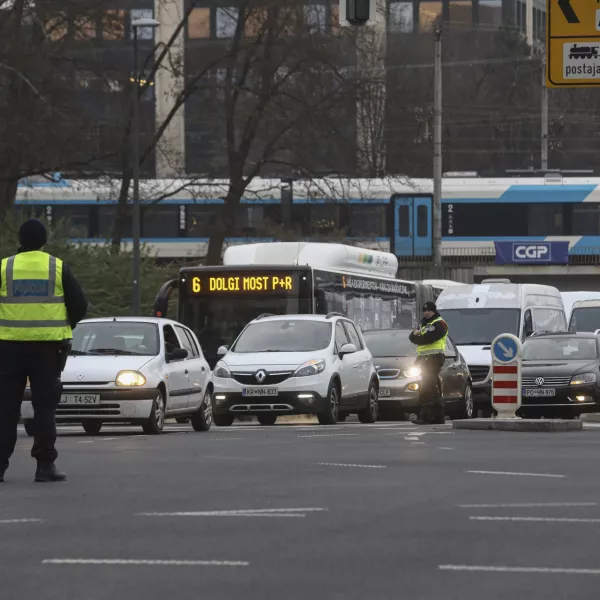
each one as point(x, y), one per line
point(545, 219)
point(248, 221)
point(586, 219)
point(479, 219)
point(106, 222)
point(160, 221)
point(422, 225)
point(77, 219)
point(201, 219)
point(403, 221)
point(323, 217)
point(368, 220)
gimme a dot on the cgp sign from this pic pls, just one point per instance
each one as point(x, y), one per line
point(532, 253)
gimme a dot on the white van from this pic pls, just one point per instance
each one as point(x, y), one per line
point(477, 313)
point(570, 299)
point(585, 315)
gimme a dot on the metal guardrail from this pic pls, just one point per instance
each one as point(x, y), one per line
point(469, 256)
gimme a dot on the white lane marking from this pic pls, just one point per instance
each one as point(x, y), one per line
point(351, 465)
point(224, 438)
point(317, 435)
point(86, 442)
point(529, 505)
point(591, 425)
point(173, 563)
point(236, 513)
point(445, 448)
point(537, 519)
point(488, 569)
point(518, 474)
point(418, 444)
point(9, 521)
point(106, 439)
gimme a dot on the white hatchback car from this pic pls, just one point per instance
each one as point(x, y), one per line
point(296, 364)
point(135, 370)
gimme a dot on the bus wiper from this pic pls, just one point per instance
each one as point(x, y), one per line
point(115, 351)
point(78, 353)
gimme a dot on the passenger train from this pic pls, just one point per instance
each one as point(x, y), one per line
point(393, 215)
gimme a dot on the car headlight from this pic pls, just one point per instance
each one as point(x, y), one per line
point(583, 378)
point(412, 372)
point(310, 367)
point(221, 371)
point(130, 378)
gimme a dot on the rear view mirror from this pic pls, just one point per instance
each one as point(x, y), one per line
point(347, 349)
point(222, 351)
point(177, 354)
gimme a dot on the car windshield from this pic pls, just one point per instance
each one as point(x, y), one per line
point(115, 337)
point(284, 336)
point(585, 319)
point(563, 348)
point(479, 326)
point(389, 343)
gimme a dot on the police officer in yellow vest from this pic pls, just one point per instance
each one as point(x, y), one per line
point(430, 339)
point(40, 303)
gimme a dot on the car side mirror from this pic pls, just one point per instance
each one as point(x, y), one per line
point(222, 351)
point(177, 354)
point(347, 349)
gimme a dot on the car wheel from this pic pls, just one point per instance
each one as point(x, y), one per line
point(331, 412)
point(267, 419)
point(467, 410)
point(222, 420)
point(92, 427)
point(202, 420)
point(155, 423)
point(370, 413)
point(29, 427)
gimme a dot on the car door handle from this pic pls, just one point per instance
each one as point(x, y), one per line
point(203, 369)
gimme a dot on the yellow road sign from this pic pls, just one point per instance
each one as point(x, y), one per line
point(573, 43)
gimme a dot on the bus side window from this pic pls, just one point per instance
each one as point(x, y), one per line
point(320, 302)
point(527, 325)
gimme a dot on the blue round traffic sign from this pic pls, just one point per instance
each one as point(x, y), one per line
point(506, 348)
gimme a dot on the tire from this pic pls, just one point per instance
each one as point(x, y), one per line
point(202, 420)
point(155, 423)
point(331, 412)
point(182, 420)
point(370, 413)
point(267, 419)
point(467, 410)
point(29, 427)
point(222, 420)
point(92, 427)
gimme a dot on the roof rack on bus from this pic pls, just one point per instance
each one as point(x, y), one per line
point(334, 314)
point(263, 315)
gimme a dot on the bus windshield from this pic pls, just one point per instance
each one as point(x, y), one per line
point(217, 305)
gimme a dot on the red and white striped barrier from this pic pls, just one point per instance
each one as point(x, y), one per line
point(506, 375)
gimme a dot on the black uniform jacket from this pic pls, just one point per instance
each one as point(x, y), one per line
point(433, 332)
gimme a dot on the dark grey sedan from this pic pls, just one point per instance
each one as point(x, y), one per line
point(400, 380)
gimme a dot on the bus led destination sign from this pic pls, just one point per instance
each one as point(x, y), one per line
point(208, 284)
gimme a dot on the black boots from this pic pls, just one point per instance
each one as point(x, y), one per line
point(47, 472)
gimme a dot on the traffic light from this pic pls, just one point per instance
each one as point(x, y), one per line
point(357, 12)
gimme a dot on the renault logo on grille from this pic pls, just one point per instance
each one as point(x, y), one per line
point(539, 381)
point(260, 376)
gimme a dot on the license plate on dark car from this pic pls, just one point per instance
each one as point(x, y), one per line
point(534, 392)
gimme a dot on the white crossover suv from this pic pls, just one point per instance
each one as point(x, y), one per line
point(138, 370)
point(296, 364)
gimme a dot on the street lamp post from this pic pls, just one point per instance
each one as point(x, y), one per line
point(137, 290)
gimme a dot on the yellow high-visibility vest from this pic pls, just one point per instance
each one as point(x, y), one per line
point(436, 347)
point(32, 304)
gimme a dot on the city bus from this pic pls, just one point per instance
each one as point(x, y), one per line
point(293, 278)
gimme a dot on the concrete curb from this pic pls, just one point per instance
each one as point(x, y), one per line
point(590, 417)
point(518, 425)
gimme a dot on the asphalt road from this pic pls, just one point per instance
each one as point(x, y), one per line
point(289, 512)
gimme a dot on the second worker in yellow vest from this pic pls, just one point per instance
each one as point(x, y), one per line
point(430, 340)
point(40, 304)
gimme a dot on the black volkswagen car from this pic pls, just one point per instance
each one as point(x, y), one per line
point(400, 380)
point(560, 376)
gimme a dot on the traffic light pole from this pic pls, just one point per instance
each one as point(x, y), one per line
point(437, 152)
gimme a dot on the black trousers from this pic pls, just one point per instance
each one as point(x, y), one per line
point(42, 363)
point(430, 395)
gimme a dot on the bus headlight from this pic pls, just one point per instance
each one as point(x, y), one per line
point(222, 371)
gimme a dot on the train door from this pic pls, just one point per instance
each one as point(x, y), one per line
point(412, 226)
